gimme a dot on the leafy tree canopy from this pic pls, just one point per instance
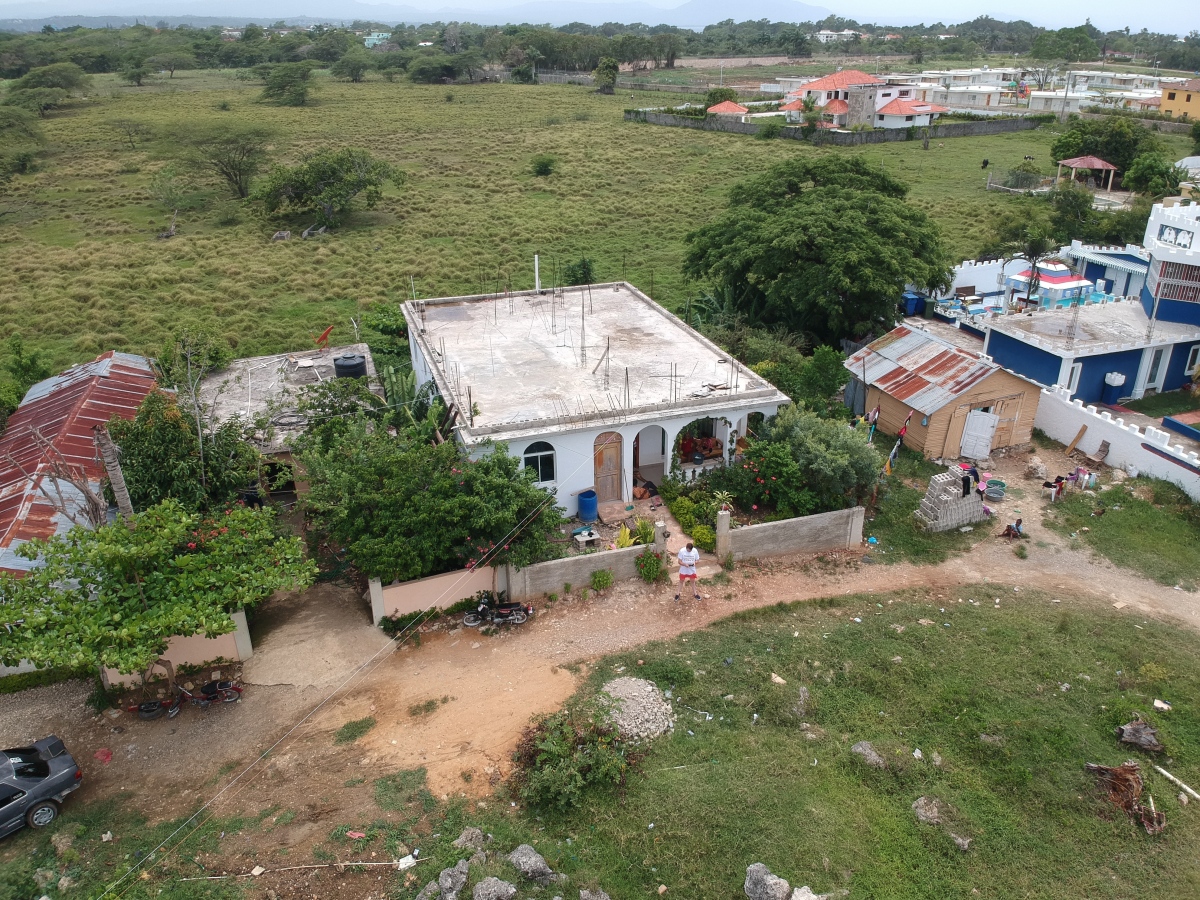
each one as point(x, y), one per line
point(822, 246)
point(37, 100)
point(354, 66)
point(326, 183)
point(1154, 175)
point(837, 464)
point(63, 76)
point(1067, 44)
point(605, 75)
point(405, 508)
point(719, 95)
point(162, 460)
point(1115, 139)
point(287, 84)
point(234, 153)
point(115, 596)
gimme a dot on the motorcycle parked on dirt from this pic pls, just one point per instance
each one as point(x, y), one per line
point(495, 610)
point(209, 693)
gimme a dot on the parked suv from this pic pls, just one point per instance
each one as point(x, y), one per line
point(33, 782)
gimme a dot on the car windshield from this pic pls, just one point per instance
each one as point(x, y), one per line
point(27, 763)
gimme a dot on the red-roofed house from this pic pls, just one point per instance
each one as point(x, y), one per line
point(728, 108)
point(833, 113)
point(902, 113)
point(836, 86)
point(50, 441)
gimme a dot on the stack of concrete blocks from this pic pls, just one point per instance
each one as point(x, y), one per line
point(945, 507)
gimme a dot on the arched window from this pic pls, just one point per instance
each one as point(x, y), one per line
point(539, 456)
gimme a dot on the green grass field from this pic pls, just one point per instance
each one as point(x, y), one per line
point(1167, 404)
point(81, 270)
point(723, 792)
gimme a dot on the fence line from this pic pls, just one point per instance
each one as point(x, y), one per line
point(836, 138)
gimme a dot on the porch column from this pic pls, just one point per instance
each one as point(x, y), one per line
point(627, 465)
point(672, 432)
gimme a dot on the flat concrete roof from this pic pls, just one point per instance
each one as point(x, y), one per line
point(1104, 328)
point(271, 385)
point(574, 358)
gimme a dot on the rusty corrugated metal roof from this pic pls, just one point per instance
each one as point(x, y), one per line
point(56, 421)
point(918, 368)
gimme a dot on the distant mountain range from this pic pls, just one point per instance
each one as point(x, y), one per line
point(31, 16)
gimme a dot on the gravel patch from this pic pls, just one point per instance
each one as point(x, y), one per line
point(638, 708)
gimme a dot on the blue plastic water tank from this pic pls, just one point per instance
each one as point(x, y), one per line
point(588, 511)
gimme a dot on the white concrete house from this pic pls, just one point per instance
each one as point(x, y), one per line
point(587, 385)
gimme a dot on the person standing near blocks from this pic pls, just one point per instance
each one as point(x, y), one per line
point(688, 557)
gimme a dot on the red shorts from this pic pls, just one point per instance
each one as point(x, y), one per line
point(683, 578)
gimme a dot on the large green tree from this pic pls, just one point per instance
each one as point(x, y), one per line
point(63, 76)
point(287, 84)
point(235, 153)
point(327, 183)
point(1114, 139)
point(162, 457)
point(405, 508)
point(354, 66)
point(1154, 175)
point(822, 246)
point(115, 596)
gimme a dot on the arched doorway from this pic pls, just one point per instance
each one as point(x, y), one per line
point(650, 454)
point(607, 453)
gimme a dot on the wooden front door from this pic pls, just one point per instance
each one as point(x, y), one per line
point(608, 467)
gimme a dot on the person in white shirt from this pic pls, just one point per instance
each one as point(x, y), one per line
point(688, 557)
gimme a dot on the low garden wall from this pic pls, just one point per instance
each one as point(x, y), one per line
point(838, 530)
point(1148, 452)
point(195, 651)
point(1188, 431)
point(442, 591)
point(836, 138)
point(547, 577)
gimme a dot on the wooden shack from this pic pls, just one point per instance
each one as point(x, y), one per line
point(956, 403)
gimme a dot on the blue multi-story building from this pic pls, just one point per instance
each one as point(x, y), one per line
point(1118, 350)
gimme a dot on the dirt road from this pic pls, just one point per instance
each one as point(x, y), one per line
point(456, 703)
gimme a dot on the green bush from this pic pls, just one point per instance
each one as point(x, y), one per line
point(543, 164)
point(11, 684)
point(704, 538)
point(565, 754)
point(352, 731)
point(394, 625)
point(651, 566)
point(601, 580)
point(769, 131)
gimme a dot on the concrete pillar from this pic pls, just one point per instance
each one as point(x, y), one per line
point(660, 536)
point(375, 592)
point(241, 635)
point(627, 466)
point(724, 543)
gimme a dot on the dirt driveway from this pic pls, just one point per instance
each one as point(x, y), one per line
point(456, 703)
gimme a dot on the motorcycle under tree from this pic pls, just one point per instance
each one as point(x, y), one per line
point(209, 693)
point(493, 608)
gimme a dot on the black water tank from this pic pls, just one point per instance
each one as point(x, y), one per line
point(350, 365)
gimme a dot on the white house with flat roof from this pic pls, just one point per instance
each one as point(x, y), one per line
point(590, 386)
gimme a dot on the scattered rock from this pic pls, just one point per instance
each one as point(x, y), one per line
point(996, 740)
point(1183, 799)
point(937, 758)
point(924, 621)
point(927, 810)
point(775, 679)
point(43, 878)
point(964, 844)
point(1035, 469)
point(478, 858)
point(62, 842)
point(869, 755)
point(470, 839)
point(638, 708)
point(591, 895)
point(65, 883)
point(762, 885)
point(492, 888)
point(899, 629)
point(451, 881)
point(431, 891)
point(531, 864)
point(806, 893)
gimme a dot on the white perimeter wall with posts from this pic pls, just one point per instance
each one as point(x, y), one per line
point(1149, 452)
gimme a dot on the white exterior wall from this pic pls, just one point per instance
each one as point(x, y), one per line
point(574, 451)
point(1149, 452)
point(986, 277)
point(902, 121)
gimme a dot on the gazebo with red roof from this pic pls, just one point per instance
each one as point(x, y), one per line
point(1086, 162)
point(728, 108)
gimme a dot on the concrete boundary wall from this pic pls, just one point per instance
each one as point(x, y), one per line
point(1149, 452)
point(442, 591)
point(194, 651)
point(548, 577)
point(836, 138)
point(1162, 125)
point(838, 530)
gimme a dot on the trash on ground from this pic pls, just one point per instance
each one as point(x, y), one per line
point(1124, 785)
point(104, 755)
point(356, 835)
point(1162, 704)
point(1167, 775)
point(1140, 734)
